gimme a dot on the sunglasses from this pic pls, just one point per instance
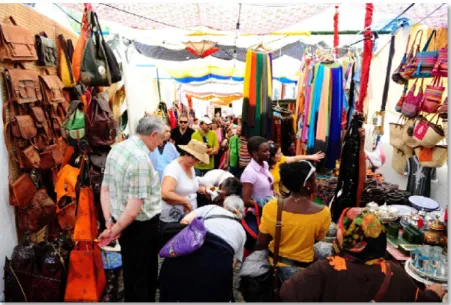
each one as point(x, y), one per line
point(271, 183)
point(312, 170)
point(183, 122)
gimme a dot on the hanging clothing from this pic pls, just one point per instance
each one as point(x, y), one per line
point(420, 178)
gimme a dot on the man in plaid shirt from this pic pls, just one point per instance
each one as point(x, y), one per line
point(131, 204)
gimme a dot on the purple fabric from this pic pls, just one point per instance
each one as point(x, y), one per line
point(260, 178)
point(186, 241)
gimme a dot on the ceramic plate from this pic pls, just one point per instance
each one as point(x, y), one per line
point(421, 202)
point(403, 210)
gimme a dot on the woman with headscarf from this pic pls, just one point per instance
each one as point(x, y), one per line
point(206, 275)
point(358, 271)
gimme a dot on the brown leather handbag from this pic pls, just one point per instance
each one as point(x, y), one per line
point(16, 43)
point(66, 211)
point(22, 191)
point(39, 213)
point(52, 87)
point(46, 50)
point(23, 86)
point(100, 123)
point(98, 161)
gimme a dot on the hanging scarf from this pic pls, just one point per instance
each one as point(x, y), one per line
point(367, 55)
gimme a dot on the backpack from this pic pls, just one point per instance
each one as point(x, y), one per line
point(101, 126)
point(74, 124)
point(27, 129)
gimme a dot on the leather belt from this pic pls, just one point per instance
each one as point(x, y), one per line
point(289, 261)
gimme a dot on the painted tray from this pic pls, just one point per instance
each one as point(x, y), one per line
point(421, 202)
point(424, 275)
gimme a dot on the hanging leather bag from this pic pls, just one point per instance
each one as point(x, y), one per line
point(101, 126)
point(64, 64)
point(46, 50)
point(39, 213)
point(21, 191)
point(73, 126)
point(16, 43)
point(98, 162)
point(115, 70)
point(95, 71)
point(81, 43)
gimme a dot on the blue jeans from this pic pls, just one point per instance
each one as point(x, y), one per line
point(285, 273)
point(236, 171)
point(201, 172)
point(263, 201)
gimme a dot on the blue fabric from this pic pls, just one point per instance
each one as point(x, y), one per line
point(263, 201)
point(285, 273)
point(160, 161)
point(334, 141)
point(318, 85)
point(111, 260)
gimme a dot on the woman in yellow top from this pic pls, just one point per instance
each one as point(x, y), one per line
point(277, 158)
point(303, 221)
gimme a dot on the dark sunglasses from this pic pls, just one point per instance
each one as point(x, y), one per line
point(183, 122)
point(271, 183)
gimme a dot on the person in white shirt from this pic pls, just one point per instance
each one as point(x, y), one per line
point(195, 124)
point(206, 275)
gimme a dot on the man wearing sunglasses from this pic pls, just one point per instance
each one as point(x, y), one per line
point(209, 137)
point(181, 135)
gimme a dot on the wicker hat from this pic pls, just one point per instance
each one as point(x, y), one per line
point(197, 149)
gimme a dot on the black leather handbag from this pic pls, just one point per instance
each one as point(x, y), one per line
point(46, 50)
point(95, 71)
point(115, 71)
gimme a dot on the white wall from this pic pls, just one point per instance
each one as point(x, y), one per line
point(8, 236)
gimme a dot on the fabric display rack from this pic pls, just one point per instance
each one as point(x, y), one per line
point(58, 129)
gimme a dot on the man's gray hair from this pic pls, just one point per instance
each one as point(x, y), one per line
point(149, 124)
point(235, 205)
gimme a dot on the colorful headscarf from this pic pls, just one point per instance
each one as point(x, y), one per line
point(360, 235)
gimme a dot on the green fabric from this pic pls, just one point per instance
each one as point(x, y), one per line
point(258, 104)
point(212, 140)
point(234, 147)
point(77, 121)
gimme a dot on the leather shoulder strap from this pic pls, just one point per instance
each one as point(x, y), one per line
point(278, 230)
point(384, 287)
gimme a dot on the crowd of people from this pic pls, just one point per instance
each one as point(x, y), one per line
point(159, 180)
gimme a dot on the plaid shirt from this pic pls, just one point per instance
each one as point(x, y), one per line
point(129, 174)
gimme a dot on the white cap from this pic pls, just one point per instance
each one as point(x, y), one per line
point(206, 121)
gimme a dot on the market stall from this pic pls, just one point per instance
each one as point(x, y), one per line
point(378, 112)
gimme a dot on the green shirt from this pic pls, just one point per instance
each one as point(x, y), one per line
point(212, 140)
point(129, 174)
point(234, 146)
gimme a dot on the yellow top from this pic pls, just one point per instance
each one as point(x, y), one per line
point(275, 172)
point(299, 231)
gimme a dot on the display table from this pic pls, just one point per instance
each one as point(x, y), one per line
point(396, 254)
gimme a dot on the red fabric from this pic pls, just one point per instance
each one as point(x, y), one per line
point(252, 92)
point(336, 38)
point(205, 53)
point(189, 98)
point(367, 55)
point(172, 119)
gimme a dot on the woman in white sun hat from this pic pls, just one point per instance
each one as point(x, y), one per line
point(179, 186)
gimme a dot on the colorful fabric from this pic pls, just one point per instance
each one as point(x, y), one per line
point(130, 160)
point(336, 114)
point(234, 147)
point(361, 236)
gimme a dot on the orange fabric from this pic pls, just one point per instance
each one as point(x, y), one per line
point(85, 225)
point(324, 104)
point(253, 83)
point(339, 263)
point(67, 155)
point(86, 278)
point(80, 47)
point(416, 294)
point(425, 154)
point(66, 182)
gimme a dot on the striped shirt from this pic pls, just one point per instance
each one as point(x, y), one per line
point(129, 174)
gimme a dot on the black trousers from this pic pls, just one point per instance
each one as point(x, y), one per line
point(139, 248)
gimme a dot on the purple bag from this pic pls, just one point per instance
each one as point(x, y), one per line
point(186, 241)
